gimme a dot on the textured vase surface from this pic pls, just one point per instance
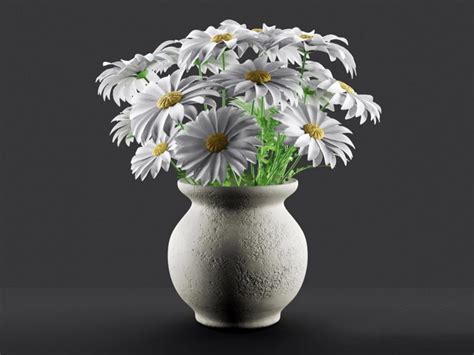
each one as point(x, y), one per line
point(237, 257)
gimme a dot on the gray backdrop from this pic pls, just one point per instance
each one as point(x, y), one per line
point(400, 215)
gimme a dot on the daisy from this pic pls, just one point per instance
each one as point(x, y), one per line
point(215, 65)
point(215, 140)
point(316, 96)
point(271, 81)
point(317, 71)
point(126, 77)
point(314, 74)
point(276, 44)
point(154, 155)
point(165, 56)
point(311, 41)
point(316, 135)
point(357, 105)
point(170, 98)
point(122, 131)
point(211, 43)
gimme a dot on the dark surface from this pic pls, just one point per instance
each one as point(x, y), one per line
point(400, 215)
point(155, 321)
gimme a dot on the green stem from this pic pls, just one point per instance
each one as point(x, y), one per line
point(324, 107)
point(199, 64)
point(262, 107)
point(223, 93)
point(295, 163)
point(304, 63)
point(201, 76)
point(236, 179)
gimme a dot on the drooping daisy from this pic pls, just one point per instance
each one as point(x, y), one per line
point(154, 155)
point(215, 65)
point(216, 140)
point(170, 98)
point(276, 44)
point(122, 131)
point(317, 71)
point(314, 74)
point(316, 135)
point(357, 105)
point(272, 81)
point(126, 77)
point(312, 41)
point(165, 56)
point(211, 43)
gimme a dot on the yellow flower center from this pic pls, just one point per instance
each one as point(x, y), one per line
point(160, 149)
point(216, 142)
point(222, 37)
point(313, 130)
point(346, 87)
point(257, 29)
point(306, 36)
point(258, 76)
point(169, 99)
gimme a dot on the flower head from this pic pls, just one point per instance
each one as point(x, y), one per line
point(311, 41)
point(357, 105)
point(122, 131)
point(154, 155)
point(126, 77)
point(216, 140)
point(254, 79)
point(215, 65)
point(316, 135)
point(165, 56)
point(211, 43)
point(314, 74)
point(170, 98)
point(276, 45)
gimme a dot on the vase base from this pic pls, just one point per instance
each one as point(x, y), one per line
point(245, 324)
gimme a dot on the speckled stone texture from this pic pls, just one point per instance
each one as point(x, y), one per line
point(237, 257)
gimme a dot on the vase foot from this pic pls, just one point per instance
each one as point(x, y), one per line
point(246, 324)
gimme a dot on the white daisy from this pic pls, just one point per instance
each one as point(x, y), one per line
point(126, 77)
point(272, 81)
point(122, 131)
point(204, 45)
point(165, 56)
point(316, 96)
point(311, 41)
point(313, 75)
point(215, 65)
point(276, 44)
point(170, 98)
point(154, 155)
point(357, 105)
point(216, 140)
point(316, 135)
point(316, 70)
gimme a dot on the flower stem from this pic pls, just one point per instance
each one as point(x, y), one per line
point(305, 54)
point(236, 179)
point(223, 93)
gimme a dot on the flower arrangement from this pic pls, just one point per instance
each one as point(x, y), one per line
point(239, 106)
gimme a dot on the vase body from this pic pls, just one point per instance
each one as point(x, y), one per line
point(237, 257)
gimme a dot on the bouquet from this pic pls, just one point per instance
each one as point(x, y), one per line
point(233, 106)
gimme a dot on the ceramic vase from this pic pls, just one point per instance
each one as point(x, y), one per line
point(237, 257)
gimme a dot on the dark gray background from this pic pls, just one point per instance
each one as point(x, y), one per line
point(400, 215)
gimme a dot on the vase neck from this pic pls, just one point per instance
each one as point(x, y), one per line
point(238, 197)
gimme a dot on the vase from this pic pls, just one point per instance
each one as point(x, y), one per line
point(237, 257)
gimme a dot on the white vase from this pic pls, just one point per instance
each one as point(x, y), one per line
point(237, 257)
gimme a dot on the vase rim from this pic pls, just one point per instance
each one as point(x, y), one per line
point(291, 181)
